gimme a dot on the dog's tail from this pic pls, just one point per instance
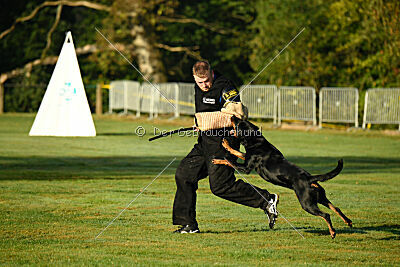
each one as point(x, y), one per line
point(329, 175)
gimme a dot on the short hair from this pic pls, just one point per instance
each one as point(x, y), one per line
point(201, 69)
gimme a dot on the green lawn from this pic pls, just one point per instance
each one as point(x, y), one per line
point(57, 194)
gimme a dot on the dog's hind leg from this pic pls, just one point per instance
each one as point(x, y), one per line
point(327, 218)
point(325, 201)
point(341, 215)
point(314, 210)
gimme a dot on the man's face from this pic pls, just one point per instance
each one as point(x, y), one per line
point(204, 83)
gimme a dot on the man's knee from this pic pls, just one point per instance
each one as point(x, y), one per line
point(180, 175)
point(221, 180)
point(184, 178)
point(219, 189)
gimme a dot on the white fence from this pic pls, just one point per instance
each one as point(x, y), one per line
point(338, 104)
point(124, 95)
point(186, 98)
point(261, 100)
point(176, 98)
point(296, 103)
point(168, 98)
point(149, 99)
point(382, 106)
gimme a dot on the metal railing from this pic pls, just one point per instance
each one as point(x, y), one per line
point(124, 95)
point(296, 103)
point(186, 98)
point(261, 100)
point(382, 106)
point(144, 98)
point(168, 101)
point(338, 104)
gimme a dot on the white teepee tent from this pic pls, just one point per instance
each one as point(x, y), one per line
point(64, 110)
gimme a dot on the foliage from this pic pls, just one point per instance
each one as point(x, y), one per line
point(345, 42)
point(25, 94)
point(225, 46)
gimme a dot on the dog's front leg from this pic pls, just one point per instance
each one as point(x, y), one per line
point(234, 152)
point(222, 162)
point(245, 168)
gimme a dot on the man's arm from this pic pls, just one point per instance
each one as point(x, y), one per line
point(230, 94)
point(232, 104)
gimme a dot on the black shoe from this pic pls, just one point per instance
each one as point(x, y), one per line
point(271, 210)
point(188, 229)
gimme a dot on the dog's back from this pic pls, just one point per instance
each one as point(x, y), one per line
point(274, 167)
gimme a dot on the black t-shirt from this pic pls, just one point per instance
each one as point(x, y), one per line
point(222, 90)
point(214, 99)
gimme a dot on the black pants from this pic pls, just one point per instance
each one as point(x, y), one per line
point(196, 166)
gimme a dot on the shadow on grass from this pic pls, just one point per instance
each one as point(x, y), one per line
point(37, 168)
point(388, 228)
point(393, 229)
point(116, 134)
point(234, 231)
point(351, 165)
point(45, 168)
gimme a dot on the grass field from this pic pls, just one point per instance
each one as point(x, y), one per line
point(57, 194)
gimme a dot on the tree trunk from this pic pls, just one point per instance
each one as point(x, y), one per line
point(148, 56)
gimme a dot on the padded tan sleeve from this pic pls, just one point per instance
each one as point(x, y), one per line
point(237, 109)
point(213, 120)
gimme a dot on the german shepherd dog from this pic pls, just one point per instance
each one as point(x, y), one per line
point(272, 166)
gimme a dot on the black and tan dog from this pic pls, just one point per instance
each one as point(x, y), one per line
point(271, 165)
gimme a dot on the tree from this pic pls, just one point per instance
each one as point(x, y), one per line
point(346, 42)
point(154, 34)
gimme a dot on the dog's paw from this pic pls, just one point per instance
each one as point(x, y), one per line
point(225, 143)
point(332, 232)
point(333, 235)
point(217, 161)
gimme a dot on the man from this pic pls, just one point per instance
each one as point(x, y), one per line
point(212, 93)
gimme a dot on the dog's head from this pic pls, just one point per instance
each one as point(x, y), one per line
point(244, 130)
